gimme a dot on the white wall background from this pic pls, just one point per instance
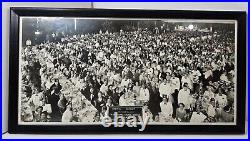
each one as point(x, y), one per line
point(208, 6)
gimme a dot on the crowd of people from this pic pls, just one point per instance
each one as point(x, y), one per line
point(176, 76)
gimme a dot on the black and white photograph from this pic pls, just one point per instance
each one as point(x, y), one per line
point(161, 71)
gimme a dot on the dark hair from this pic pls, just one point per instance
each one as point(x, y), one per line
point(75, 110)
point(44, 112)
point(212, 99)
point(185, 84)
point(39, 107)
point(226, 108)
point(182, 104)
point(97, 114)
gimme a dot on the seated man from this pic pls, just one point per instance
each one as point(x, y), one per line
point(165, 88)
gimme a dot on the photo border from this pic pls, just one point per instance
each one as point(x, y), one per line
point(16, 13)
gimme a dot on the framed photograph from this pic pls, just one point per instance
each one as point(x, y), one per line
point(127, 71)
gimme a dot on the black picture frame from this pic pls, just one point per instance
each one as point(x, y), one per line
point(17, 12)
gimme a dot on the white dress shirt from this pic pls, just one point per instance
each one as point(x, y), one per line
point(165, 89)
point(67, 115)
point(184, 97)
point(209, 94)
point(104, 88)
point(144, 94)
point(122, 101)
point(47, 108)
point(36, 99)
point(166, 108)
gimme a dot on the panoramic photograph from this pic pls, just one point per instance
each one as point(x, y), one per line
point(162, 71)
